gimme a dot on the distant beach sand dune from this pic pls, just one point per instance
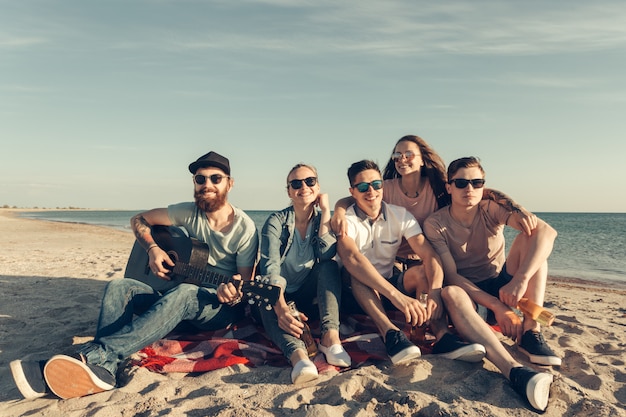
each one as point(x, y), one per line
point(51, 280)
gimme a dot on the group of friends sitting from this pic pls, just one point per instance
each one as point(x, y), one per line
point(415, 237)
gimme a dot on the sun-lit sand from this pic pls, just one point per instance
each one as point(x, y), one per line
point(52, 276)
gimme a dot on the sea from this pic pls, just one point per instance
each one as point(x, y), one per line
point(590, 246)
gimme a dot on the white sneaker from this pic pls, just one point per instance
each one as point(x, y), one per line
point(336, 355)
point(303, 371)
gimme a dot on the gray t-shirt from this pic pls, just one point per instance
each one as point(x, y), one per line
point(238, 247)
point(299, 261)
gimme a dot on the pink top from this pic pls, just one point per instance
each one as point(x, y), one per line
point(478, 250)
point(420, 207)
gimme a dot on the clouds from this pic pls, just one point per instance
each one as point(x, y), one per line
point(389, 28)
point(324, 82)
point(17, 42)
point(401, 28)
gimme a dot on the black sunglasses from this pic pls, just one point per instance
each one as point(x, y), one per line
point(364, 186)
point(462, 182)
point(297, 184)
point(215, 178)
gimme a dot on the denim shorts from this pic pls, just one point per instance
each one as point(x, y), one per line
point(492, 287)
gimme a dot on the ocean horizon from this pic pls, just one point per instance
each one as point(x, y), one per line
point(590, 246)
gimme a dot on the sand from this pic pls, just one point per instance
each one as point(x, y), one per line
point(51, 280)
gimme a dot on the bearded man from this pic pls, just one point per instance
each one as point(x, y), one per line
point(133, 314)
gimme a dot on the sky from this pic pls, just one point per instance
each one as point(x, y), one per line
point(103, 104)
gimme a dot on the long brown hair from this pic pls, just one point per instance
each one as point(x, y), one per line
point(433, 168)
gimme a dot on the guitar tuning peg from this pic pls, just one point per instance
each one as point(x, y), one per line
point(268, 307)
point(251, 301)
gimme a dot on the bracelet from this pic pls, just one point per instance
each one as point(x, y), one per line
point(154, 245)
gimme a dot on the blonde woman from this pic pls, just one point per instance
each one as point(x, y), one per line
point(297, 250)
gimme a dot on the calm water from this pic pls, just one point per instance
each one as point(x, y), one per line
point(589, 246)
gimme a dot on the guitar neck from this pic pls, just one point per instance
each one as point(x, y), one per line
point(200, 276)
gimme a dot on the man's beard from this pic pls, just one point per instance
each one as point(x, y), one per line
point(211, 205)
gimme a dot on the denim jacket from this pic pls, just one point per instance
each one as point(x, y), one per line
point(277, 236)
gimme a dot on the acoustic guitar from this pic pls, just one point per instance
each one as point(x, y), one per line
point(190, 266)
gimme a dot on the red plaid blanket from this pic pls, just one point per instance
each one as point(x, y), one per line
point(246, 343)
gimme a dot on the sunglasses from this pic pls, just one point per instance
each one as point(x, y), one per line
point(215, 178)
point(462, 182)
point(362, 187)
point(397, 156)
point(297, 184)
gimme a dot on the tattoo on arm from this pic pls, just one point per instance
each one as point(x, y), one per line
point(501, 199)
point(142, 231)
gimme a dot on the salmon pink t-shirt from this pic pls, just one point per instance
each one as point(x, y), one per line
point(420, 207)
point(478, 250)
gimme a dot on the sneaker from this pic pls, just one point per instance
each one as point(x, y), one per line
point(535, 347)
point(28, 377)
point(336, 355)
point(69, 377)
point(399, 348)
point(303, 371)
point(450, 346)
point(532, 385)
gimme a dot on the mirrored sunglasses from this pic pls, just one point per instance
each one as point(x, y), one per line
point(362, 187)
point(397, 156)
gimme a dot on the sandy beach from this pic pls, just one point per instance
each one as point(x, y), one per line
point(51, 280)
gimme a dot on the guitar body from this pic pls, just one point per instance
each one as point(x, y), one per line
point(179, 247)
point(190, 258)
point(137, 268)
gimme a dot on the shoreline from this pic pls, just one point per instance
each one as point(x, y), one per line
point(52, 276)
point(616, 285)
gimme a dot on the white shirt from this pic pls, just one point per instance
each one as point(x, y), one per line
point(378, 240)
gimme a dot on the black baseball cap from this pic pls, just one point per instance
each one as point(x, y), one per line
point(211, 159)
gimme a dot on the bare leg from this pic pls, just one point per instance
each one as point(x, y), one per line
point(297, 356)
point(370, 302)
point(331, 337)
point(416, 282)
point(474, 329)
point(521, 249)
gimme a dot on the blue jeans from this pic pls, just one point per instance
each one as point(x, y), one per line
point(323, 281)
point(133, 315)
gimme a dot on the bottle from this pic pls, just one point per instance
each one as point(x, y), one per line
point(537, 313)
point(418, 333)
point(423, 299)
point(307, 337)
